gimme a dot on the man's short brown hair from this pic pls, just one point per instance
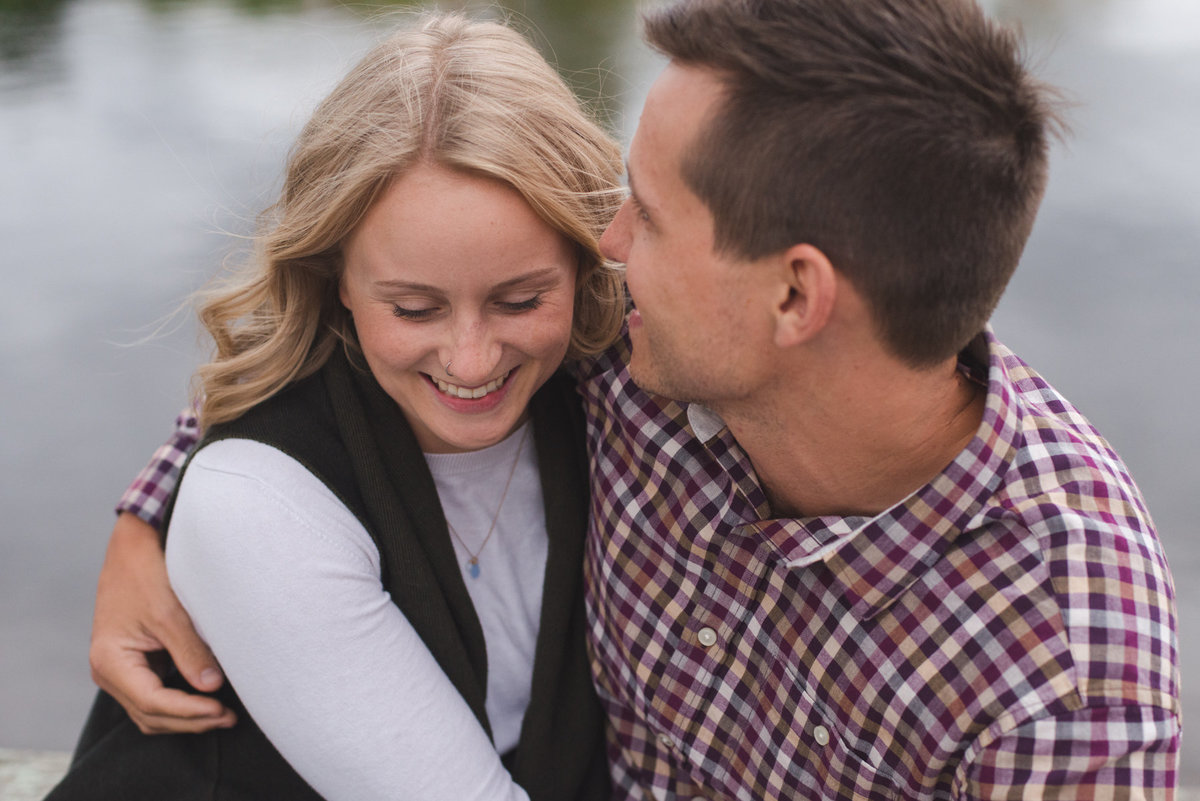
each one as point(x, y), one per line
point(904, 138)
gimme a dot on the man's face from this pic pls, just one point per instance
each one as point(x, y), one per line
point(695, 324)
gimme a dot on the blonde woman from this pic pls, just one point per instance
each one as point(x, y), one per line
point(380, 534)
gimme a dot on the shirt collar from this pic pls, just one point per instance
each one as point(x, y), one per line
point(705, 423)
point(710, 429)
point(877, 558)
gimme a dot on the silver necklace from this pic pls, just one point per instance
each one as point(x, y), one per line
point(473, 562)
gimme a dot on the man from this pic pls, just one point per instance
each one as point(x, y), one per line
point(866, 552)
point(873, 554)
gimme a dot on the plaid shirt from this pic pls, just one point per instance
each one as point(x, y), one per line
point(1007, 631)
point(149, 491)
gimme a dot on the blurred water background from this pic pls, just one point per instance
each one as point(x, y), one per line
point(137, 137)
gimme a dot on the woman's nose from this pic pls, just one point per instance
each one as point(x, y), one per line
point(473, 353)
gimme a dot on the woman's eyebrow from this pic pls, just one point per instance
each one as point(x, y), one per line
point(413, 286)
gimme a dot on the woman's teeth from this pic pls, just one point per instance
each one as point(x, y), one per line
point(470, 394)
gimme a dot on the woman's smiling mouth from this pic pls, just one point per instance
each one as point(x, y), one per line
point(469, 393)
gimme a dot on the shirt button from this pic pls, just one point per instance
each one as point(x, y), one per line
point(666, 740)
point(821, 735)
point(707, 637)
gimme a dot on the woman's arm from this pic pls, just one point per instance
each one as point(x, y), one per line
point(283, 582)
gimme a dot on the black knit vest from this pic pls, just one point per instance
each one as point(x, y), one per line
point(345, 429)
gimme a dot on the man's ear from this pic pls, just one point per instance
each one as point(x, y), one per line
point(806, 296)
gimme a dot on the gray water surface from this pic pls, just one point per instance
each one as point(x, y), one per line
point(136, 137)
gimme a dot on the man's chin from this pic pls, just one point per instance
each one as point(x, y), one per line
point(646, 368)
point(640, 371)
point(646, 376)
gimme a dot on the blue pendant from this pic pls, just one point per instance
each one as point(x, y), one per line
point(473, 568)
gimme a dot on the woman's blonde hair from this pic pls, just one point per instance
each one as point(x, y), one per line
point(464, 94)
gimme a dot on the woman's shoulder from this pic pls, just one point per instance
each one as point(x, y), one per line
point(246, 497)
point(238, 459)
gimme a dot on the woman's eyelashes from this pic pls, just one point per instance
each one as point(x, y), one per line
point(412, 314)
point(529, 304)
point(429, 312)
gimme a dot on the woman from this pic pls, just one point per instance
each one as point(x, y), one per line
point(380, 534)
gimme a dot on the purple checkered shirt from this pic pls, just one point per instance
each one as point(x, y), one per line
point(1007, 631)
point(151, 488)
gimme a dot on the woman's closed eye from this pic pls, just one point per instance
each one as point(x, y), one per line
point(406, 313)
point(420, 313)
point(518, 306)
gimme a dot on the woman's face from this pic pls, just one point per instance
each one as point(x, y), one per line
point(451, 267)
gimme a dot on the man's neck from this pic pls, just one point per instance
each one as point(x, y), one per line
point(861, 441)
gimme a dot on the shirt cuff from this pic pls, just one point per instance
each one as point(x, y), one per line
point(148, 493)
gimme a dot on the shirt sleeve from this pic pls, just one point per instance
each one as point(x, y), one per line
point(284, 584)
point(1125, 751)
point(151, 487)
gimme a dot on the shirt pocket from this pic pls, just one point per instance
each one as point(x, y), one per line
point(849, 777)
point(841, 771)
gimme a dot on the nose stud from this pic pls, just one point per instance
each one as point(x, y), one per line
point(448, 369)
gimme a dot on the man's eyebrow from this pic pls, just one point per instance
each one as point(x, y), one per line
point(633, 193)
point(525, 278)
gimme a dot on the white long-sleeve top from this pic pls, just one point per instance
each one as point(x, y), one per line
point(283, 582)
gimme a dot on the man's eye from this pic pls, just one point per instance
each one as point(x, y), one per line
point(639, 211)
point(412, 314)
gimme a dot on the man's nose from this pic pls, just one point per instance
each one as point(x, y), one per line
point(614, 242)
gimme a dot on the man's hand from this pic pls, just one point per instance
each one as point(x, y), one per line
point(137, 617)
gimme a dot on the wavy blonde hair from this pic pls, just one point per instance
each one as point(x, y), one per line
point(468, 95)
